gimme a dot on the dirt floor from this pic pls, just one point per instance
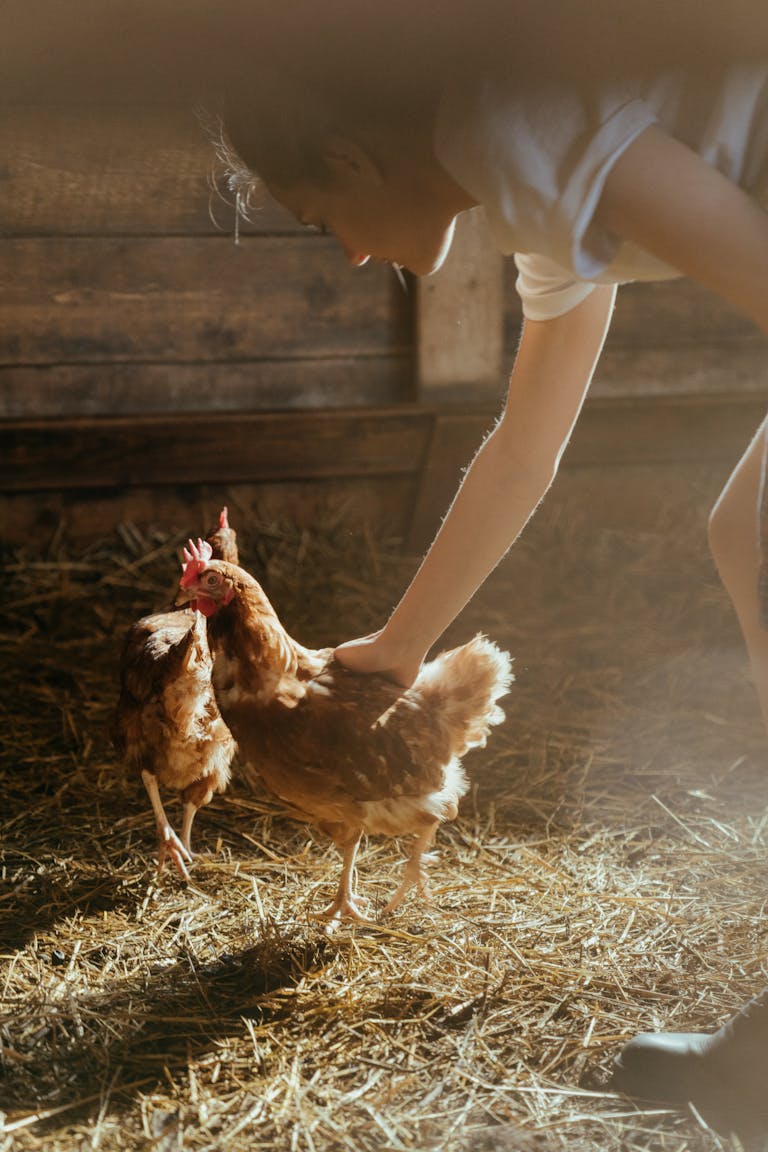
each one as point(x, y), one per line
point(606, 875)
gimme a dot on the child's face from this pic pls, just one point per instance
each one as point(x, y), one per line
point(374, 217)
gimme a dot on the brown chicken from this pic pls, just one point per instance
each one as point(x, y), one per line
point(346, 752)
point(167, 723)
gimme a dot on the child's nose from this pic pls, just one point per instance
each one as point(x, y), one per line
point(356, 259)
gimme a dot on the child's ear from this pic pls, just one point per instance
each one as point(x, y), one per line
point(349, 162)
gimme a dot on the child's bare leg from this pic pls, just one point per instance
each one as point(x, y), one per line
point(734, 531)
point(721, 1073)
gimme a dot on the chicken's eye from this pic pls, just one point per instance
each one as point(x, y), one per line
point(211, 579)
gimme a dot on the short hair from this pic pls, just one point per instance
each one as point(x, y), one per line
point(277, 126)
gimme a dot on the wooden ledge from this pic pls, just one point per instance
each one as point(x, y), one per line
point(435, 442)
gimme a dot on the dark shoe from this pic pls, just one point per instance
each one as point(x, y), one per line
point(723, 1074)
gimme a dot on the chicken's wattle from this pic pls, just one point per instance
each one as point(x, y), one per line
point(205, 605)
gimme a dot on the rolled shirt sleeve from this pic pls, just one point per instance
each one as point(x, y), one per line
point(546, 289)
point(537, 162)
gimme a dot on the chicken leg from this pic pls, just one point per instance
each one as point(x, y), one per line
point(346, 905)
point(195, 796)
point(414, 874)
point(168, 843)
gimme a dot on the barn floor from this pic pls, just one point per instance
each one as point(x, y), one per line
point(607, 873)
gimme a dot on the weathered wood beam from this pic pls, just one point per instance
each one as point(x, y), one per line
point(210, 448)
point(612, 434)
point(460, 319)
point(192, 300)
point(260, 446)
point(36, 392)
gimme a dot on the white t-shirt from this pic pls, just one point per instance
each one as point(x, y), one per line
point(538, 164)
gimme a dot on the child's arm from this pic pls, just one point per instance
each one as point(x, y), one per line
point(501, 489)
point(663, 197)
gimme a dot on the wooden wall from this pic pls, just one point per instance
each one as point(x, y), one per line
point(122, 289)
point(149, 365)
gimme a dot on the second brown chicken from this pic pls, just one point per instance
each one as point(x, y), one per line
point(167, 726)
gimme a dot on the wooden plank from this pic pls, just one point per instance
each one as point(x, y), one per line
point(453, 442)
point(69, 171)
point(675, 312)
point(656, 430)
point(32, 519)
point(668, 338)
point(697, 368)
point(611, 434)
point(194, 300)
point(663, 314)
point(256, 447)
point(193, 449)
point(632, 498)
point(731, 367)
point(459, 333)
point(121, 389)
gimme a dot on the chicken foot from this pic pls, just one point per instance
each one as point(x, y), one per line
point(168, 843)
point(347, 905)
point(414, 874)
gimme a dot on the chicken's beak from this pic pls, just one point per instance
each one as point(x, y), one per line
point(184, 596)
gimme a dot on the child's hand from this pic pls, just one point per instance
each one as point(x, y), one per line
point(373, 654)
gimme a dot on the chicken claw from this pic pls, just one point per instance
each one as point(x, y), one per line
point(348, 907)
point(414, 874)
point(168, 844)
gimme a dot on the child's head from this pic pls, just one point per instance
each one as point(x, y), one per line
point(346, 156)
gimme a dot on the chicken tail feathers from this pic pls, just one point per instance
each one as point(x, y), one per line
point(461, 688)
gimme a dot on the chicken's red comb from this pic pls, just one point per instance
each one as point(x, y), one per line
point(196, 556)
point(223, 521)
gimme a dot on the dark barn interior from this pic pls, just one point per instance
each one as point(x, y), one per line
point(606, 874)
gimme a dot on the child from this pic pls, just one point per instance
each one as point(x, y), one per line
point(588, 184)
point(642, 179)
